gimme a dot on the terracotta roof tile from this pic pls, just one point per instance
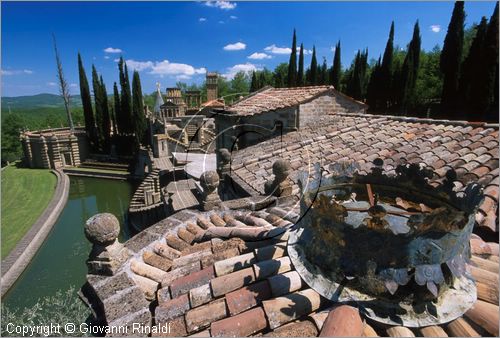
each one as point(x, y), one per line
point(241, 325)
point(296, 304)
point(201, 317)
point(172, 308)
point(233, 281)
point(270, 98)
point(342, 321)
point(439, 144)
point(184, 284)
point(247, 297)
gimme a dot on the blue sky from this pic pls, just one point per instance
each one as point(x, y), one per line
point(172, 41)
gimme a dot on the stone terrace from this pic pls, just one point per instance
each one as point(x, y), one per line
point(469, 148)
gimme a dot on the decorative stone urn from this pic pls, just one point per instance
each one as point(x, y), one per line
point(209, 182)
point(394, 244)
point(281, 185)
point(107, 254)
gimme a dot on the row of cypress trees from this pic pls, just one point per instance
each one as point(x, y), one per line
point(391, 87)
point(296, 75)
point(468, 76)
point(121, 122)
point(470, 84)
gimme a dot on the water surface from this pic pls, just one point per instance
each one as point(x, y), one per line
point(60, 261)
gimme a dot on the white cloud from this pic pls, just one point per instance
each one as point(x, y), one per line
point(435, 28)
point(181, 71)
point(235, 46)
point(278, 50)
point(202, 19)
point(106, 57)
point(222, 4)
point(73, 85)
point(7, 72)
point(182, 77)
point(259, 56)
point(246, 67)
point(112, 50)
point(234, 17)
point(52, 84)
point(222, 22)
point(171, 68)
point(138, 65)
point(116, 60)
point(307, 51)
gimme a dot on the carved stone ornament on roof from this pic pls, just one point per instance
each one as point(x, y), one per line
point(393, 243)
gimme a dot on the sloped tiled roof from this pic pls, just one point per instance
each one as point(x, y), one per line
point(229, 274)
point(269, 98)
point(469, 148)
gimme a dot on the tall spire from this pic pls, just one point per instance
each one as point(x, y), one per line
point(158, 100)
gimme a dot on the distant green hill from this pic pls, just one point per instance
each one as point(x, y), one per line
point(42, 110)
point(37, 101)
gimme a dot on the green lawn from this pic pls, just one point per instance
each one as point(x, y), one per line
point(25, 195)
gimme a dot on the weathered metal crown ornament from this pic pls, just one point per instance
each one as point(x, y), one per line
point(394, 244)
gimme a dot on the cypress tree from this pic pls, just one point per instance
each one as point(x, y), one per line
point(139, 119)
point(313, 70)
point(488, 99)
point(292, 64)
point(106, 120)
point(86, 102)
point(125, 98)
point(410, 68)
point(450, 60)
point(373, 90)
point(117, 110)
point(113, 121)
point(357, 80)
point(386, 70)
point(99, 114)
point(470, 79)
point(254, 85)
point(262, 81)
point(337, 68)
point(324, 73)
point(300, 74)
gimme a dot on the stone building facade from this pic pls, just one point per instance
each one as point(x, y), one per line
point(55, 148)
point(273, 111)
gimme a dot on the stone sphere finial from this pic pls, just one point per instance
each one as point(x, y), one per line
point(281, 169)
point(102, 229)
point(209, 181)
point(225, 155)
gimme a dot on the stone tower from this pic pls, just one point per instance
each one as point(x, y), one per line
point(212, 89)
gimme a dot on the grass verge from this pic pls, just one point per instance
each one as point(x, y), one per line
point(25, 195)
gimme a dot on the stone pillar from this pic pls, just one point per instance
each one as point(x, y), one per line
point(44, 153)
point(223, 162)
point(107, 253)
point(281, 185)
point(75, 153)
point(27, 151)
point(54, 150)
point(209, 181)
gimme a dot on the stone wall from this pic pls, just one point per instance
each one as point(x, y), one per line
point(253, 129)
point(55, 148)
point(330, 103)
